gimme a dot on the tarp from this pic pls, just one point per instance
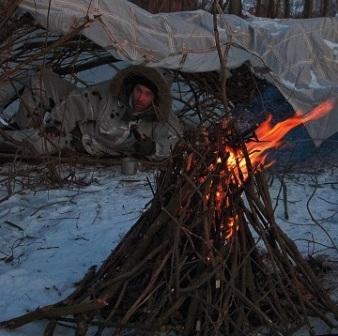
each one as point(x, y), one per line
point(300, 56)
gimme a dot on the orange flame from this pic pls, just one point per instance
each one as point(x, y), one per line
point(233, 161)
point(270, 137)
point(232, 226)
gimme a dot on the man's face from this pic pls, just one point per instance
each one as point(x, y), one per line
point(142, 97)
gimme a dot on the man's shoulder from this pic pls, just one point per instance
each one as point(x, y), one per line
point(104, 88)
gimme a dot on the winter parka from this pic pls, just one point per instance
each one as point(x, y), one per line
point(100, 119)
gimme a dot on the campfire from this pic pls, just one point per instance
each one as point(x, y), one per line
point(207, 257)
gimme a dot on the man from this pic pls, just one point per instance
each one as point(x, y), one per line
point(129, 115)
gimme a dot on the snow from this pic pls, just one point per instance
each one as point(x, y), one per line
point(55, 235)
point(312, 207)
point(52, 236)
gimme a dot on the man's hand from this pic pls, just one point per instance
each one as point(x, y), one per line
point(145, 146)
point(51, 132)
point(51, 127)
point(134, 131)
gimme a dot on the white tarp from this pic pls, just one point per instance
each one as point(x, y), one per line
point(299, 55)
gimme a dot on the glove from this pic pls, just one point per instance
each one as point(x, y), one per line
point(134, 131)
point(51, 131)
point(145, 146)
point(50, 126)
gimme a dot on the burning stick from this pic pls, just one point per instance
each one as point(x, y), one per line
point(207, 258)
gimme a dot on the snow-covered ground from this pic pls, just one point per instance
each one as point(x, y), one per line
point(50, 237)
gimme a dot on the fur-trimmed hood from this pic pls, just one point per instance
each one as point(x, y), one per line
point(124, 81)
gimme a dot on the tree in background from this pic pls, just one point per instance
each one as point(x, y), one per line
point(261, 8)
point(287, 8)
point(156, 6)
point(235, 7)
point(328, 7)
point(308, 9)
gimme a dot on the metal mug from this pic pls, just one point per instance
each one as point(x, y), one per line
point(129, 166)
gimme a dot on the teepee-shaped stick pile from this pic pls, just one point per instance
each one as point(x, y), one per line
point(207, 258)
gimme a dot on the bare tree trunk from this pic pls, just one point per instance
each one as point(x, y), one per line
point(308, 9)
point(258, 8)
point(279, 9)
point(282, 9)
point(157, 6)
point(327, 8)
point(140, 3)
point(235, 7)
point(287, 8)
point(262, 7)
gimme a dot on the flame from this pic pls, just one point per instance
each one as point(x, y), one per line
point(231, 166)
point(270, 137)
point(232, 226)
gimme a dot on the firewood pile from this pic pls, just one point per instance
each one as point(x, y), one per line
point(206, 258)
